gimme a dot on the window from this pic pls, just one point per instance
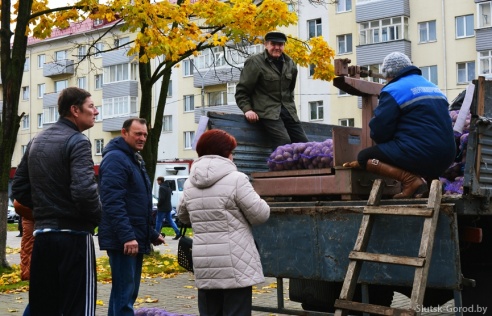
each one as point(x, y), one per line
point(189, 103)
point(25, 93)
point(170, 89)
point(98, 22)
point(40, 120)
point(217, 98)
point(23, 149)
point(98, 81)
point(346, 122)
point(188, 139)
point(99, 47)
point(385, 30)
point(188, 67)
point(311, 70)
point(60, 55)
point(485, 60)
point(50, 114)
point(427, 31)
point(99, 143)
point(344, 43)
point(430, 73)
point(209, 58)
point(121, 72)
point(81, 82)
point(316, 109)
point(41, 60)
point(41, 90)
point(464, 26)
point(167, 123)
point(466, 72)
point(342, 93)
point(81, 52)
point(25, 122)
point(344, 5)
point(99, 117)
point(375, 68)
point(231, 91)
point(484, 10)
point(314, 28)
point(119, 106)
point(26, 64)
point(121, 41)
point(60, 85)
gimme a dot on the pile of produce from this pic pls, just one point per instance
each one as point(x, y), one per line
point(310, 155)
point(452, 178)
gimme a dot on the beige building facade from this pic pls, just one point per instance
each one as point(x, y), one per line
point(450, 40)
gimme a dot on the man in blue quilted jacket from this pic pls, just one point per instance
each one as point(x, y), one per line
point(411, 127)
point(126, 230)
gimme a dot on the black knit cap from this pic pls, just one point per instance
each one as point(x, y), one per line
point(276, 37)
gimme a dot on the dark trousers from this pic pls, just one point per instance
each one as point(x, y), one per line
point(285, 130)
point(373, 153)
point(227, 302)
point(63, 275)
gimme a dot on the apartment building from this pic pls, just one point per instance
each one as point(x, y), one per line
point(450, 40)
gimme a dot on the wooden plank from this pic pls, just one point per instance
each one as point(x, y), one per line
point(347, 142)
point(426, 245)
point(372, 309)
point(384, 258)
point(357, 87)
point(480, 110)
point(398, 210)
point(369, 103)
point(290, 173)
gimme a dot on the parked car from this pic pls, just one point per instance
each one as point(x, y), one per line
point(12, 216)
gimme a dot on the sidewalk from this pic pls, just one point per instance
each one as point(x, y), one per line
point(176, 295)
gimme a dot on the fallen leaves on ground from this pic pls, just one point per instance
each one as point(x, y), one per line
point(155, 266)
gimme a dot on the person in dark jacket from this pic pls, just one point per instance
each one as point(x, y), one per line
point(126, 231)
point(265, 92)
point(412, 129)
point(164, 207)
point(57, 172)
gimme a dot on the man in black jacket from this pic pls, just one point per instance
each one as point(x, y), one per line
point(58, 170)
point(164, 207)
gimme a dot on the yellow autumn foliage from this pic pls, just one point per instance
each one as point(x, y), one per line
point(177, 29)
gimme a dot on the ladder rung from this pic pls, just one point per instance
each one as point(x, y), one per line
point(372, 309)
point(383, 258)
point(395, 210)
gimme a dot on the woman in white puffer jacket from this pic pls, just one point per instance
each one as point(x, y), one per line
point(221, 205)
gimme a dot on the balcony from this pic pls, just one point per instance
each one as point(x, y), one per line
point(59, 67)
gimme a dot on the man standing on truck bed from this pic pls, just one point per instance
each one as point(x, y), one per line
point(265, 92)
point(412, 129)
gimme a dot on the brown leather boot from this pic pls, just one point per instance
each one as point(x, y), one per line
point(410, 182)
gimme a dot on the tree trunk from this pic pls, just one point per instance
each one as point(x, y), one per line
point(12, 59)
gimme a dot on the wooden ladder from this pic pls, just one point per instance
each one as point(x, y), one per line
point(421, 263)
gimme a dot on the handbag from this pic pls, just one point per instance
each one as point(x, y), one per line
point(185, 245)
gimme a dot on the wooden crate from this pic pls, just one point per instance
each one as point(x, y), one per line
point(347, 182)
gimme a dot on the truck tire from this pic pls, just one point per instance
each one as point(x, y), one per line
point(320, 296)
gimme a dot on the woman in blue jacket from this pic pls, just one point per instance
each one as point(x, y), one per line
point(412, 129)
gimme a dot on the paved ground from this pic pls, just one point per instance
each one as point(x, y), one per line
point(177, 295)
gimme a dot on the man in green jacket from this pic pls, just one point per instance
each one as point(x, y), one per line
point(265, 92)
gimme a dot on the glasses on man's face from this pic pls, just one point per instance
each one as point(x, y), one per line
point(275, 44)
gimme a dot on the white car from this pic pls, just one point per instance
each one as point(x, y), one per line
point(12, 216)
